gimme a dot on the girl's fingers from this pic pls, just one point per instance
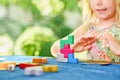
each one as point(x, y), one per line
point(87, 47)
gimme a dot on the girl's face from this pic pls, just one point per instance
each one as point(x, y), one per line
point(103, 9)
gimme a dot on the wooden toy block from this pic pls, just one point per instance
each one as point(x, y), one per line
point(60, 58)
point(39, 60)
point(4, 65)
point(69, 41)
point(66, 50)
point(11, 67)
point(45, 68)
point(53, 68)
point(24, 65)
point(71, 59)
point(35, 71)
point(44, 60)
point(50, 68)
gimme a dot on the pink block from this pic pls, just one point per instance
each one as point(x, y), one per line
point(66, 50)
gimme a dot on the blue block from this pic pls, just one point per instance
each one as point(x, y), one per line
point(71, 59)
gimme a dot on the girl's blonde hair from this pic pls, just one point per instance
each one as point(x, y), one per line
point(89, 17)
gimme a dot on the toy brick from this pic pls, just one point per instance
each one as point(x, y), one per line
point(4, 65)
point(66, 50)
point(60, 58)
point(45, 68)
point(11, 67)
point(37, 60)
point(36, 70)
point(69, 41)
point(50, 68)
point(53, 68)
point(44, 60)
point(71, 59)
point(24, 65)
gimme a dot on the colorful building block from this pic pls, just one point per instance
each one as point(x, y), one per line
point(44, 60)
point(66, 50)
point(34, 71)
point(50, 68)
point(39, 60)
point(69, 41)
point(4, 65)
point(71, 59)
point(53, 68)
point(24, 65)
point(45, 68)
point(60, 58)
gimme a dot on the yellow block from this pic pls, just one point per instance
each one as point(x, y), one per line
point(53, 68)
point(50, 68)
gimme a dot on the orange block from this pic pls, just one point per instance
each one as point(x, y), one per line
point(44, 60)
point(37, 60)
point(4, 65)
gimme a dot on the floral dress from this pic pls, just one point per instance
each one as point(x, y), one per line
point(98, 51)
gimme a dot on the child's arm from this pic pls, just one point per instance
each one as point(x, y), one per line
point(56, 46)
point(112, 42)
point(81, 42)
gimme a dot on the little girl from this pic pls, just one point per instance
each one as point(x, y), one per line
point(99, 33)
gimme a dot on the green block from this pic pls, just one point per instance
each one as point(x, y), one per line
point(69, 41)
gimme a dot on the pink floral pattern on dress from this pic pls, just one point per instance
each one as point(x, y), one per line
point(95, 52)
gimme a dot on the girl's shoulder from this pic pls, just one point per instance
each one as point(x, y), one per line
point(115, 31)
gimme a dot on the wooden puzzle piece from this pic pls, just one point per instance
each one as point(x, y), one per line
point(50, 68)
point(60, 58)
point(4, 65)
point(24, 65)
point(71, 59)
point(66, 50)
point(39, 60)
point(69, 41)
point(36, 70)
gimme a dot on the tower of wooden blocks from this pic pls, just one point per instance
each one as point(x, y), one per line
point(66, 54)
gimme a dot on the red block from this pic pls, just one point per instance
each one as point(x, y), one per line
point(24, 65)
point(66, 50)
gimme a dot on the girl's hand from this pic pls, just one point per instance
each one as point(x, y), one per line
point(110, 41)
point(83, 43)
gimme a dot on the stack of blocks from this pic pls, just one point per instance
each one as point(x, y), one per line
point(66, 54)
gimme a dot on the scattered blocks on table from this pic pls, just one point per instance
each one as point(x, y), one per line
point(71, 59)
point(39, 60)
point(66, 50)
point(60, 58)
point(35, 71)
point(69, 41)
point(24, 65)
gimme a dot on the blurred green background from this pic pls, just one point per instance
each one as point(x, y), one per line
point(30, 27)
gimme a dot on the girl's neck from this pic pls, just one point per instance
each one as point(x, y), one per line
point(105, 23)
